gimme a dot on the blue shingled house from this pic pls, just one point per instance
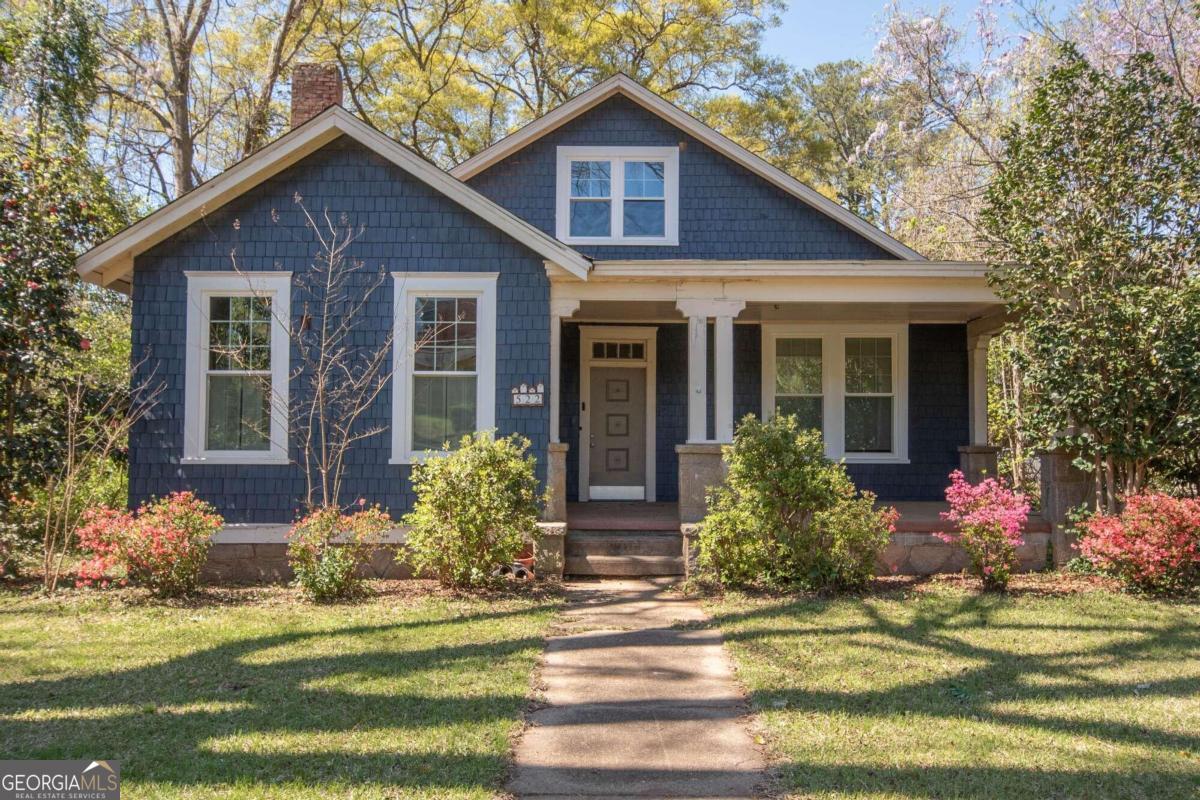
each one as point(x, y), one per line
point(625, 283)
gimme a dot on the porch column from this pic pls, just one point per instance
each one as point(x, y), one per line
point(697, 383)
point(977, 460)
point(977, 358)
point(697, 313)
point(559, 309)
point(723, 369)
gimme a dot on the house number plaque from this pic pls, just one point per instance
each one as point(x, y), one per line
point(529, 396)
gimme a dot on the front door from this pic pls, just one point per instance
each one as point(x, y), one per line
point(617, 461)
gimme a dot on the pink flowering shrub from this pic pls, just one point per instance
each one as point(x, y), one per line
point(326, 548)
point(1153, 546)
point(989, 516)
point(163, 546)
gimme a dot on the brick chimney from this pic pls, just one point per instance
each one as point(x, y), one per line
point(315, 87)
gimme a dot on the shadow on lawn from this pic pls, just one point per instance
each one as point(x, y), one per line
point(986, 691)
point(146, 717)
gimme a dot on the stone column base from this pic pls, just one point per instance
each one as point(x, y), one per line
point(1064, 487)
point(548, 550)
point(700, 467)
point(556, 483)
point(978, 461)
point(689, 532)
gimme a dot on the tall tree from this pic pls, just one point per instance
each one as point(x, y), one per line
point(1094, 219)
point(154, 102)
point(53, 202)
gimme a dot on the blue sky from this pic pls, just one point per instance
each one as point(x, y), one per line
point(830, 30)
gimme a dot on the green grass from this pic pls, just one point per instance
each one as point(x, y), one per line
point(949, 694)
point(272, 697)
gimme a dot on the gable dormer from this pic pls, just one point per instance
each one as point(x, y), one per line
point(619, 173)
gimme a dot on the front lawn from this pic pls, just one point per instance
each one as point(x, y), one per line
point(256, 694)
point(944, 693)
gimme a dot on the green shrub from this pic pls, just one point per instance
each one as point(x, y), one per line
point(476, 509)
point(789, 517)
point(326, 548)
point(162, 546)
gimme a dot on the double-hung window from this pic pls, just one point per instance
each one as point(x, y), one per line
point(846, 381)
point(618, 195)
point(236, 368)
point(444, 360)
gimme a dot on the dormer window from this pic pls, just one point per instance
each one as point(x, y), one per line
point(618, 195)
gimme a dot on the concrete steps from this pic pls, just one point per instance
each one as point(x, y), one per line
point(624, 553)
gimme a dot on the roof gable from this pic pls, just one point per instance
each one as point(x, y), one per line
point(625, 86)
point(111, 262)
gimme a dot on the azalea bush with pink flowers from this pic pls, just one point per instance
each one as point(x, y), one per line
point(162, 546)
point(988, 517)
point(327, 547)
point(1152, 546)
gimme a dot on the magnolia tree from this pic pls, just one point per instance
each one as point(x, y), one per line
point(1094, 220)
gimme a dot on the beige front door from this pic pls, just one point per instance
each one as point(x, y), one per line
point(617, 458)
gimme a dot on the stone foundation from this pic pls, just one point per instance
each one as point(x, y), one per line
point(267, 563)
point(910, 553)
point(926, 554)
point(258, 554)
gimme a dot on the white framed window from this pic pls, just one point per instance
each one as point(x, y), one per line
point(236, 367)
point(444, 360)
point(617, 195)
point(848, 381)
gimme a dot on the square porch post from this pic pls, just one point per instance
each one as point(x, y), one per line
point(977, 460)
point(556, 455)
point(697, 312)
point(700, 464)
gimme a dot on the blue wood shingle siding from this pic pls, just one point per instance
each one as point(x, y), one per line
point(406, 227)
point(937, 402)
point(726, 211)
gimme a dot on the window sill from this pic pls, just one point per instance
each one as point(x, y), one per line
point(416, 458)
point(847, 459)
point(624, 241)
point(239, 460)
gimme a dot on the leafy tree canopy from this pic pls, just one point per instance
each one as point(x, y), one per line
point(1094, 218)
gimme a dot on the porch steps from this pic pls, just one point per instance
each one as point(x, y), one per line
point(624, 553)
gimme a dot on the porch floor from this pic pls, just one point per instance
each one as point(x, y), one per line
point(915, 517)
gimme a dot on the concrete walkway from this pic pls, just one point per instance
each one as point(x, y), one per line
point(635, 707)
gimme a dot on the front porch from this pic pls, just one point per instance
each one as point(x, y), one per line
point(650, 370)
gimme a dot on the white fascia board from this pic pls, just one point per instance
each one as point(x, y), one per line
point(790, 289)
point(625, 85)
point(112, 260)
point(741, 270)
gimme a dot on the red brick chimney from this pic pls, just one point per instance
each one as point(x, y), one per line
point(315, 87)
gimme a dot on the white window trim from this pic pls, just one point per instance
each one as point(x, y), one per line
point(618, 156)
point(201, 286)
point(833, 353)
point(406, 285)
